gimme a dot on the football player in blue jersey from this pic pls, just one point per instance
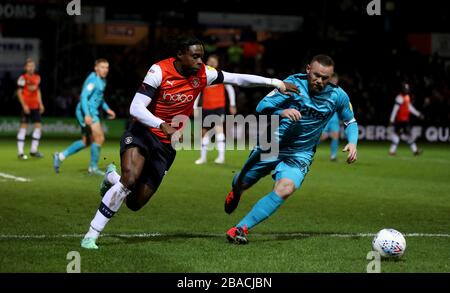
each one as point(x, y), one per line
point(88, 117)
point(302, 118)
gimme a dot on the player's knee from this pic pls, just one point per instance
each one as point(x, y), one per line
point(285, 188)
point(128, 178)
point(100, 140)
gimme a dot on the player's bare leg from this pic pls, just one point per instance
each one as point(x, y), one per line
point(132, 163)
point(139, 197)
point(98, 138)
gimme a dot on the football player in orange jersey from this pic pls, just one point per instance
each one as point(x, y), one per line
point(30, 99)
point(400, 119)
point(213, 106)
point(168, 92)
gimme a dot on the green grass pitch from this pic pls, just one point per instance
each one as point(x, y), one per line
point(326, 226)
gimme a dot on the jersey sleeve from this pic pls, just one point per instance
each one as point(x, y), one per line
point(154, 76)
point(105, 105)
point(212, 75)
point(21, 81)
point(345, 109)
point(86, 93)
point(399, 100)
point(345, 113)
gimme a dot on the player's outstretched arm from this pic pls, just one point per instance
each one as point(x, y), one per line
point(249, 80)
point(138, 109)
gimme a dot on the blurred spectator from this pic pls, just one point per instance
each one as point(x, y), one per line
point(234, 54)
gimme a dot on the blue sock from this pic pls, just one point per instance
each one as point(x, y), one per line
point(334, 147)
point(73, 148)
point(265, 207)
point(95, 154)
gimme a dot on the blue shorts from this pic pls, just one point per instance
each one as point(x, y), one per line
point(80, 119)
point(288, 165)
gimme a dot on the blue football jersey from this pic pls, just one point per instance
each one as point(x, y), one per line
point(92, 96)
point(316, 111)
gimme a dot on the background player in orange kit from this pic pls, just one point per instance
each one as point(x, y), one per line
point(30, 99)
point(400, 120)
point(169, 90)
point(213, 103)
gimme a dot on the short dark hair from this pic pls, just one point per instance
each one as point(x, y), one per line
point(101, 60)
point(29, 60)
point(325, 60)
point(182, 44)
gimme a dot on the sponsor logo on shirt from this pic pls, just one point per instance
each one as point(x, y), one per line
point(177, 98)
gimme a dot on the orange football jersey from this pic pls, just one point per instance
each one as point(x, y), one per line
point(29, 86)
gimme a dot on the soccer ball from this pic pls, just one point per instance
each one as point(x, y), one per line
point(389, 243)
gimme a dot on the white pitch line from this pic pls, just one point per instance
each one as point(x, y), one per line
point(193, 235)
point(15, 178)
point(433, 160)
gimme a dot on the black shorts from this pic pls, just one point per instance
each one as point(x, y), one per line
point(158, 156)
point(34, 116)
point(402, 127)
point(219, 114)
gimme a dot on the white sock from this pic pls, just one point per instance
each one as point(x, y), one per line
point(36, 136)
point(21, 140)
point(393, 148)
point(395, 141)
point(113, 177)
point(221, 145)
point(413, 147)
point(61, 156)
point(92, 233)
point(110, 204)
point(204, 149)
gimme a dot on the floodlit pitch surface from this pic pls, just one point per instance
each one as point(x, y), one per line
point(326, 226)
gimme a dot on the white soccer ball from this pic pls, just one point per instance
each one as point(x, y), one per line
point(389, 243)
